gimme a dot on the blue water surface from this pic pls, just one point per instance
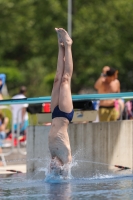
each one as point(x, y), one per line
point(19, 187)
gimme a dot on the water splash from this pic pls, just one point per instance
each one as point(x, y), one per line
point(54, 177)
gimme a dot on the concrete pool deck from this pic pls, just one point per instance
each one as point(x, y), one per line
point(19, 167)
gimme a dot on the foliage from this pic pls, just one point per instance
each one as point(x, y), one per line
point(102, 35)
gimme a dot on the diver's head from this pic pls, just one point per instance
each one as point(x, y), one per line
point(55, 166)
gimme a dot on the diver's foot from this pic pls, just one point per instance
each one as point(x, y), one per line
point(60, 41)
point(65, 37)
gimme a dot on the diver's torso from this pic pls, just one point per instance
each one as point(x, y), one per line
point(59, 144)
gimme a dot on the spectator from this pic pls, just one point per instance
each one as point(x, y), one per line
point(3, 129)
point(109, 110)
point(128, 112)
point(20, 115)
point(101, 79)
point(2, 82)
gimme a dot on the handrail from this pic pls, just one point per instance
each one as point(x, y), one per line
point(124, 95)
point(18, 134)
point(12, 129)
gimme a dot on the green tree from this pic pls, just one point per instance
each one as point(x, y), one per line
point(102, 35)
point(28, 41)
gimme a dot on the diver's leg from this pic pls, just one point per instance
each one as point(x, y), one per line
point(64, 96)
point(59, 72)
point(65, 99)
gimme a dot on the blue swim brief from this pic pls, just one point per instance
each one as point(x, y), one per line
point(58, 113)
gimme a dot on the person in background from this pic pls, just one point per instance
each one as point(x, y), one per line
point(2, 82)
point(109, 110)
point(3, 131)
point(128, 111)
point(101, 79)
point(20, 115)
point(119, 103)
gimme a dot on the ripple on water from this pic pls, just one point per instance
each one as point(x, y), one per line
point(99, 186)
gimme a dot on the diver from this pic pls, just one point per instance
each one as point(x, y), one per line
point(61, 105)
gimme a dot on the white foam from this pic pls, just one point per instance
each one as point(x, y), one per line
point(54, 176)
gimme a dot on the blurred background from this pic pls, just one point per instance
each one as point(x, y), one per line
point(102, 32)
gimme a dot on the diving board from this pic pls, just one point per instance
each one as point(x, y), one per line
point(124, 95)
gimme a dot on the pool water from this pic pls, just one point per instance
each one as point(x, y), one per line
point(99, 187)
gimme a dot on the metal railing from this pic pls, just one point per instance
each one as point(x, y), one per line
point(123, 95)
point(11, 149)
point(6, 149)
point(12, 130)
point(18, 134)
